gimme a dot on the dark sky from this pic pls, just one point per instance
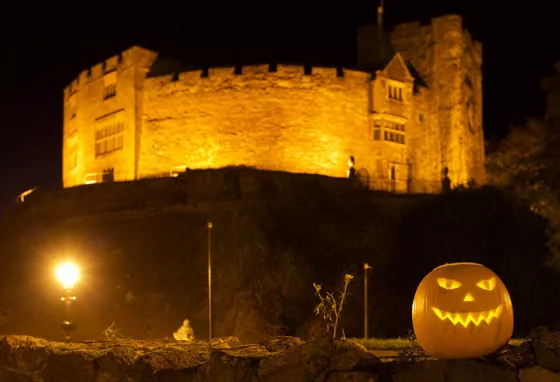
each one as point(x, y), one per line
point(43, 49)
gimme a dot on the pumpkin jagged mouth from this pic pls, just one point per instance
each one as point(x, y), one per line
point(469, 317)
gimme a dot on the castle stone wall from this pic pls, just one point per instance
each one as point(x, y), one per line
point(282, 120)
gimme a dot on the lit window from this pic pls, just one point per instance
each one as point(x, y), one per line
point(395, 132)
point(376, 130)
point(109, 137)
point(395, 93)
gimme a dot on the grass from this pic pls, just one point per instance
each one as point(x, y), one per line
point(404, 343)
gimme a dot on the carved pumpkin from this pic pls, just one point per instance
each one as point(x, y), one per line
point(462, 310)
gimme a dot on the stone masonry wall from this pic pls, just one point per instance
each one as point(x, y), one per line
point(283, 120)
point(276, 120)
point(24, 358)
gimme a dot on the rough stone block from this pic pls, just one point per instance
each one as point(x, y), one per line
point(537, 374)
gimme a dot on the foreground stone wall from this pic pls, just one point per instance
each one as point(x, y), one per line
point(29, 359)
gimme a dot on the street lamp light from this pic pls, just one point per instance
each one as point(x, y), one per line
point(67, 274)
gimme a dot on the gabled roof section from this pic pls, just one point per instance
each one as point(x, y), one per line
point(398, 70)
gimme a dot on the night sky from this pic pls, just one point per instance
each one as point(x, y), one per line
point(43, 49)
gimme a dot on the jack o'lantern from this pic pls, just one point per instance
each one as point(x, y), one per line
point(462, 310)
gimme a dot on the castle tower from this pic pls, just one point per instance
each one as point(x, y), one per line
point(450, 62)
point(102, 116)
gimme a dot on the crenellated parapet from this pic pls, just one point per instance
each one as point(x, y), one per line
point(132, 56)
point(252, 75)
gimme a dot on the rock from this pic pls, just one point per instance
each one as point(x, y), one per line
point(281, 343)
point(70, 367)
point(537, 374)
point(314, 361)
point(10, 376)
point(101, 361)
point(455, 371)
point(427, 371)
point(546, 345)
point(224, 342)
point(235, 364)
point(467, 371)
point(351, 376)
point(517, 356)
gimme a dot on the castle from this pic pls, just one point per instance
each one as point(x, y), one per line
point(409, 112)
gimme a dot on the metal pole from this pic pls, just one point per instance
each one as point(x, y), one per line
point(209, 225)
point(67, 325)
point(366, 267)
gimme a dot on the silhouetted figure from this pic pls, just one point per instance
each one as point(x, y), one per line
point(352, 171)
point(445, 182)
point(393, 179)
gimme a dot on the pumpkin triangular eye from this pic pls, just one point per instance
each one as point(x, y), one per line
point(488, 285)
point(448, 283)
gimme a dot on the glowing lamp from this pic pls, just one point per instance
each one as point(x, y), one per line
point(67, 274)
point(462, 310)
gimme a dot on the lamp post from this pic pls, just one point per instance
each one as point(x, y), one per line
point(67, 274)
point(209, 226)
point(366, 267)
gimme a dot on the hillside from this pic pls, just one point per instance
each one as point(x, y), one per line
point(143, 252)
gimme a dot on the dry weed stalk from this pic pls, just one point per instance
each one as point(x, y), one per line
point(330, 307)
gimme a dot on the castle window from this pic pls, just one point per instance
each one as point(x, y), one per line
point(376, 129)
point(420, 117)
point(395, 92)
point(395, 132)
point(110, 84)
point(109, 136)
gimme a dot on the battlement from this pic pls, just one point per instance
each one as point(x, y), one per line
point(121, 60)
point(243, 74)
point(437, 27)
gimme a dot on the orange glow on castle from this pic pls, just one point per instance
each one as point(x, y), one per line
point(406, 119)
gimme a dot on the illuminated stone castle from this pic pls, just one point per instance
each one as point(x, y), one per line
point(410, 111)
